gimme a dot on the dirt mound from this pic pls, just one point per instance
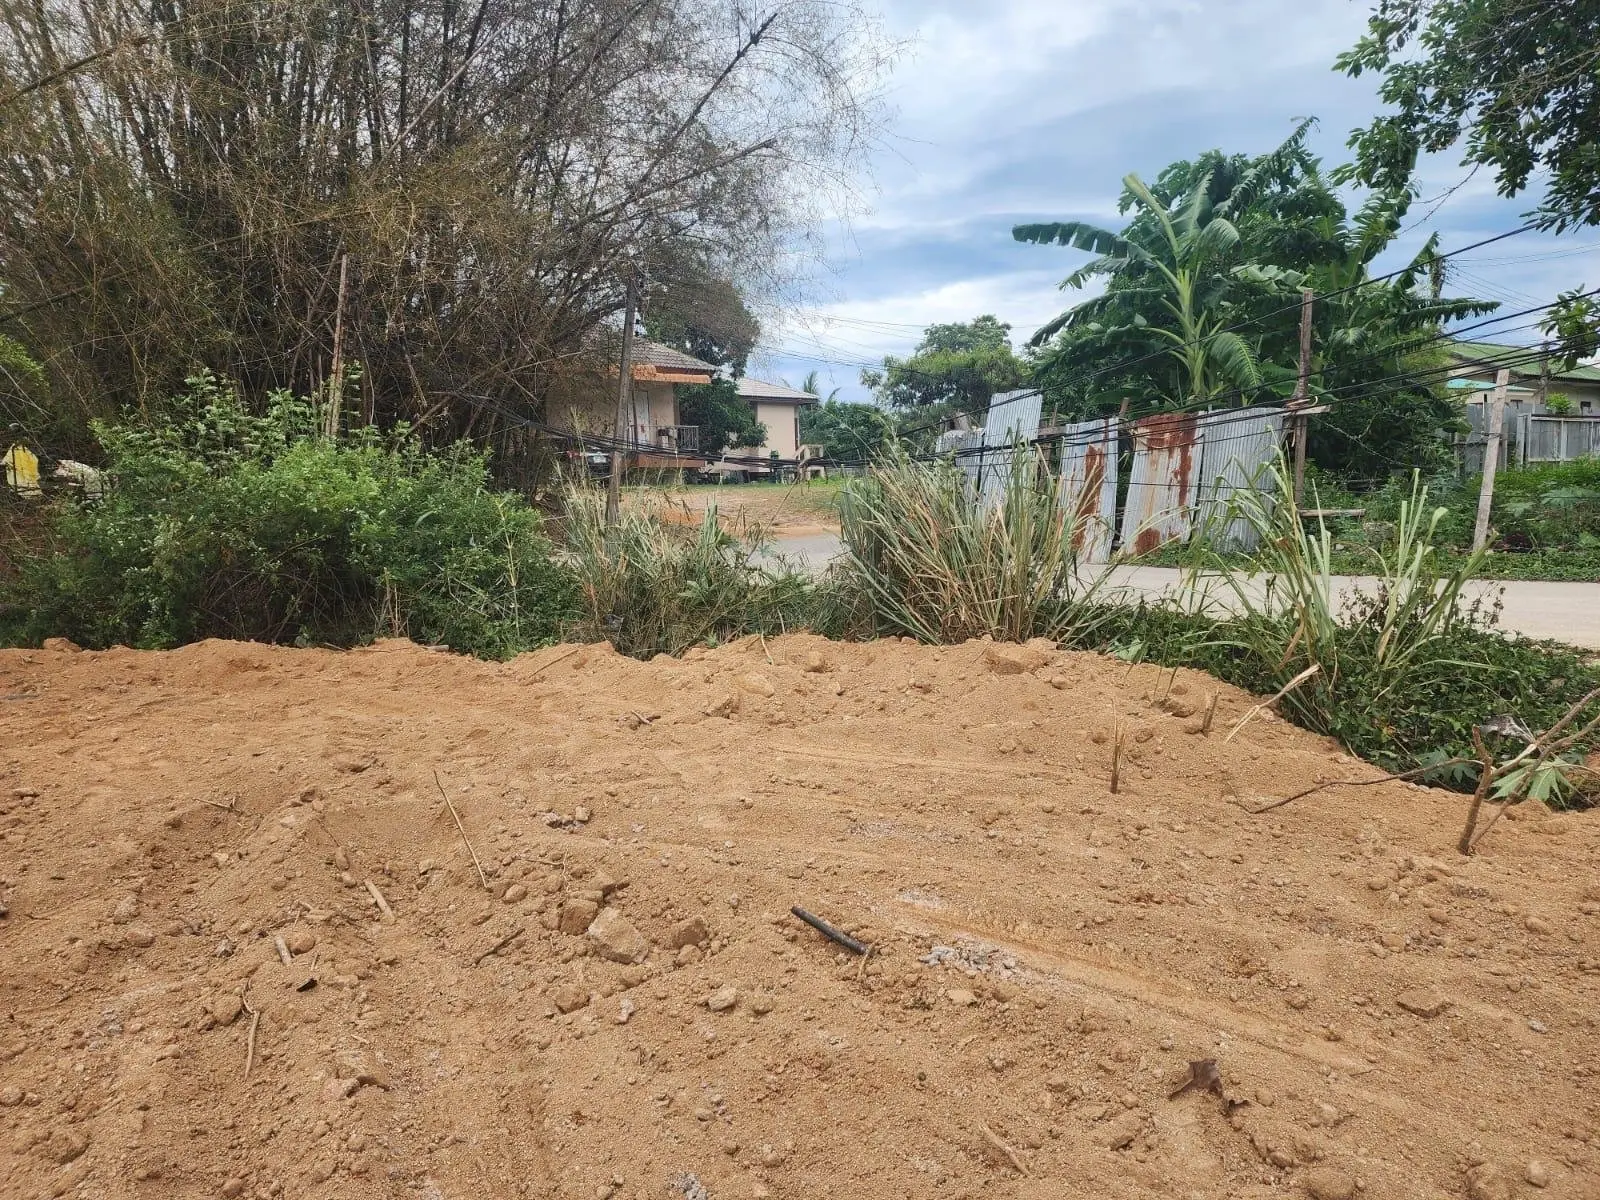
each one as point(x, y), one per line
point(631, 1011)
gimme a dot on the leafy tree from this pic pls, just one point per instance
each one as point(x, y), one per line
point(1518, 80)
point(704, 315)
point(844, 430)
point(1172, 285)
point(1190, 318)
point(726, 422)
point(960, 365)
point(460, 191)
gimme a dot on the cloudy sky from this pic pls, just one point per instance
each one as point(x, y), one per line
point(1024, 110)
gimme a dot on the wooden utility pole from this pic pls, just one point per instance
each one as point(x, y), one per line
point(336, 384)
point(624, 410)
point(1491, 457)
point(1302, 396)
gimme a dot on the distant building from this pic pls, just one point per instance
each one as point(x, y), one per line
point(653, 427)
point(1533, 383)
point(1551, 414)
point(777, 408)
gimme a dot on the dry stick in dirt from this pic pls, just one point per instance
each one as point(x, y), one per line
point(1414, 773)
point(377, 898)
point(1271, 700)
point(1211, 713)
point(500, 945)
point(250, 1038)
point(995, 1140)
point(1116, 759)
point(482, 878)
point(1534, 758)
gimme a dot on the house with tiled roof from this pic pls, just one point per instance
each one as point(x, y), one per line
point(777, 407)
point(662, 440)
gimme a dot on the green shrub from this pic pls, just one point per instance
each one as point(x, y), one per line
point(1402, 673)
point(653, 585)
point(220, 523)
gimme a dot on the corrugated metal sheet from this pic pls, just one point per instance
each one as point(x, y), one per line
point(965, 444)
point(1162, 484)
point(1013, 417)
point(1237, 448)
point(1088, 490)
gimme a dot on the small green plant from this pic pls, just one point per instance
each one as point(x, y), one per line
point(1559, 405)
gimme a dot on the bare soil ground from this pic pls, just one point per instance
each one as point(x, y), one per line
point(630, 1011)
point(785, 510)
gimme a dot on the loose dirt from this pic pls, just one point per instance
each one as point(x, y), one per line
point(631, 1011)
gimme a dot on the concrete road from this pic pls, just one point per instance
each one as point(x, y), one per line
point(1567, 612)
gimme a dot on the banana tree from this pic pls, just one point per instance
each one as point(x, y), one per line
point(1185, 268)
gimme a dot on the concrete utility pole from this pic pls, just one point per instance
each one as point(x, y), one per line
point(1302, 395)
point(1491, 458)
point(624, 410)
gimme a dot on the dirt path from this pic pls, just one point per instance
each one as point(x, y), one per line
point(1389, 1019)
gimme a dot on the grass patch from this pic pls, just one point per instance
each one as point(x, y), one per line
point(653, 584)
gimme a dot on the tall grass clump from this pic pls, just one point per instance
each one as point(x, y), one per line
point(1399, 671)
point(221, 522)
point(651, 584)
point(931, 558)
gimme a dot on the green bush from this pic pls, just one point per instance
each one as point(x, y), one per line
point(1400, 674)
point(220, 523)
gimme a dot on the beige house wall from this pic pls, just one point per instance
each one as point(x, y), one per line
point(783, 430)
point(592, 410)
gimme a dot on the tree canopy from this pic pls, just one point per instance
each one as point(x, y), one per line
point(725, 421)
point(958, 366)
point(845, 430)
point(461, 192)
point(1201, 306)
point(1516, 81)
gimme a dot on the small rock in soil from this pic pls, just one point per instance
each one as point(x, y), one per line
point(692, 932)
point(1121, 1130)
point(1422, 1002)
point(723, 998)
point(1326, 1183)
point(1537, 1174)
point(569, 997)
point(615, 938)
point(578, 915)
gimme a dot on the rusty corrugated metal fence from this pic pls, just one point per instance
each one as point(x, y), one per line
point(1088, 491)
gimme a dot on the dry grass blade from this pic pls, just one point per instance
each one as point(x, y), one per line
point(460, 828)
point(250, 1039)
point(1313, 669)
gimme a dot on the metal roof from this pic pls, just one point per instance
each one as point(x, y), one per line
point(773, 393)
point(1490, 352)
